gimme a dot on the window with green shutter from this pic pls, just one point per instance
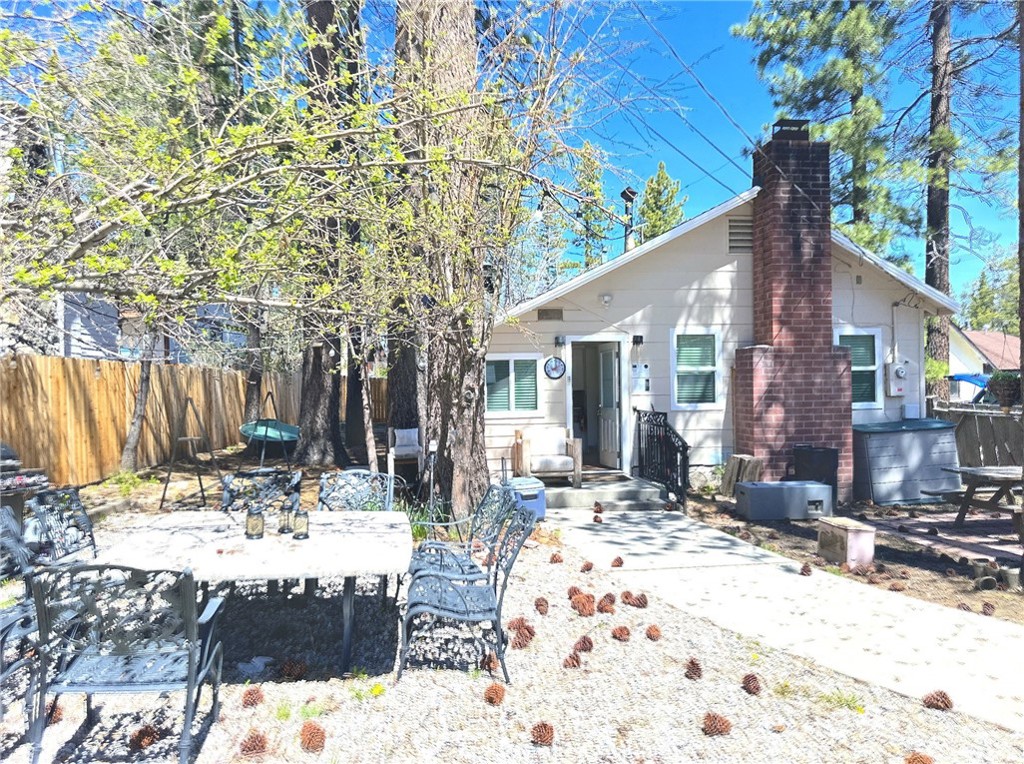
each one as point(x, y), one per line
point(695, 368)
point(864, 365)
point(512, 385)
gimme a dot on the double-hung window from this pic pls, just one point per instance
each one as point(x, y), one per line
point(696, 369)
point(511, 384)
point(865, 364)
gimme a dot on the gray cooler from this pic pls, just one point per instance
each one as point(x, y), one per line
point(789, 500)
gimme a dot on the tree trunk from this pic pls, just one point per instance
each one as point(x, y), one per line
point(130, 452)
point(254, 372)
point(940, 157)
point(403, 412)
point(319, 414)
point(355, 422)
point(367, 415)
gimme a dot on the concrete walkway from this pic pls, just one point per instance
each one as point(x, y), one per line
point(877, 636)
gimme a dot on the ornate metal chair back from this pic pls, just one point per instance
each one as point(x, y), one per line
point(518, 529)
point(15, 558)
point(356, 490)
point(114, 610)
point(270, 489)
point(490, 515)
point(61, 523)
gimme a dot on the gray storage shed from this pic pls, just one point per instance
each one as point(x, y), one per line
point(894, 461)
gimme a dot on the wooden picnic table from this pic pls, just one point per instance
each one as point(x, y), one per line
point(1005, 480)
point(213, 545)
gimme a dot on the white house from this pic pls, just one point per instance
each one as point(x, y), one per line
point(754, 326)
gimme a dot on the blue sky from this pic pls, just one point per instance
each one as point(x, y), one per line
point(699, 33)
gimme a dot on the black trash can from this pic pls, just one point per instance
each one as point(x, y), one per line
point(819, 464)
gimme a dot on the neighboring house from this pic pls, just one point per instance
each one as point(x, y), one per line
point(972, 351)
point(754, 326)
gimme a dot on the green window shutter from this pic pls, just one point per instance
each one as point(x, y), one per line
point(862, 349)
point(498, 388)
point(695, 350)
point(863, 386)
point(526, 385)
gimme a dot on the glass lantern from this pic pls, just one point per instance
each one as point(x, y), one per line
point(301, 526)
point(254, 522)
point(285, 519)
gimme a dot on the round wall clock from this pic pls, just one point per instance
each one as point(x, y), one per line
point(554, 367)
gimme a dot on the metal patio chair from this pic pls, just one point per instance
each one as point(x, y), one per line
point(58, 527)
point(112, 629)
point(356, 490)
point(435, 596)
point(271, 489)
point(17, 620)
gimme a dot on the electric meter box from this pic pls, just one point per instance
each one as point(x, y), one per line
point(900, 378)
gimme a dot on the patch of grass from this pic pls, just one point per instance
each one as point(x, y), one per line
point(128, 482)
point(358, 672)
point(785, 690)
point(312, 710)
point(475, 672)
point(840, 699)
point(834, 570)
point(283, 712)
point(769, 547)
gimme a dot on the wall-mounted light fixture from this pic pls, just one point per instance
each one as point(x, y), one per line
point(606, 299)
point(559, 340)
point(638, 340)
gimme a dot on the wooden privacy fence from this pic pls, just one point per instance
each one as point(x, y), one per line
point(985, 436)
point(70, 416)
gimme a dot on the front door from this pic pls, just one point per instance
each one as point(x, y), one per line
point(608, 405)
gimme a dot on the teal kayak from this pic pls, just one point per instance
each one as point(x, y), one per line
point(270, 430)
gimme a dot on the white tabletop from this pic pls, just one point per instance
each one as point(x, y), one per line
point(213, 545)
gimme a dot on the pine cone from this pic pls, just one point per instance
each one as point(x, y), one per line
point(845, 568)
point(626, 597)
point(312, 737)
point(597, 519)
point(617, 562)
point(964, 606)
point(620, 633)
point(744, 535)
point(490, 662)
point(598, 509)
point(54, 712)
point(556, 558)
point(606, 604)
point(583, 645)
point(494, 694)
point(821, 562)
point(875, 579)
point(805, 570)
point(897, 586)
point(527, 629)
point(574, 590)
point(988, 608)
point(542, 733)
point(916, 757)
point(573, 661)
point(880, 567)
point(516, 623)
point(542, 605)
point(294, 670)
point(583, 604)
point(639, 601)
point(693, 669)
point(254, 743)
point(252, 696)
point(938, 700)
point(861, 570)
point(716, 724)
point(752, 684)
point(653, 633)
point(521, 640)
point(904, 574)
point(143, 738)
point(587, 567)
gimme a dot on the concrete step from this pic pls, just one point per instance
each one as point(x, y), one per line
point(611, 495)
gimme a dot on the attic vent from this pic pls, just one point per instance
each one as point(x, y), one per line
point(741, 236)
point(549, 314)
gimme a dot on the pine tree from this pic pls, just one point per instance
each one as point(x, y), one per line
point(659, 211)
point(593, 224)
point(990, 302)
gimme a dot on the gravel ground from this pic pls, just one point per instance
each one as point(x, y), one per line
point(628, 702)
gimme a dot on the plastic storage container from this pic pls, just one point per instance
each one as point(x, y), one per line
point(530, 493)
point(792, 500)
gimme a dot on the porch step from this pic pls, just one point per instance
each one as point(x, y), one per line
point(630, 494)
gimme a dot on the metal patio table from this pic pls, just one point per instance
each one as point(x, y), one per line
point(213, 544)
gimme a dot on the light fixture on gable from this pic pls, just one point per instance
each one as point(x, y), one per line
point(606, 299)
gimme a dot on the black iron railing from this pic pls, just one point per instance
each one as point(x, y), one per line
point(663, 454)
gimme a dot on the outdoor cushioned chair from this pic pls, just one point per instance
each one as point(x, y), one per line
point(548, 452)
point(405, 445)
point(435, 596)
point(112, 629)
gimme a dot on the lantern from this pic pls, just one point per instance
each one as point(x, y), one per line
point(254, 522)
point(284, 518)
point(301, 526)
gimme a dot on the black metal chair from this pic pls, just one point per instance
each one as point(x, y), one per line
point(439, 596)
point(356, 490)
point(58, 527)
point(271, 489)
point(17, 620)
point(471, 556)
point(112, 629)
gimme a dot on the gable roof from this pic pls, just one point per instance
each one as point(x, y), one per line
point(944, 302)
point(1002, 350)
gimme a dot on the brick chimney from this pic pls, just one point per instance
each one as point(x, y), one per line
point(793, 385)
